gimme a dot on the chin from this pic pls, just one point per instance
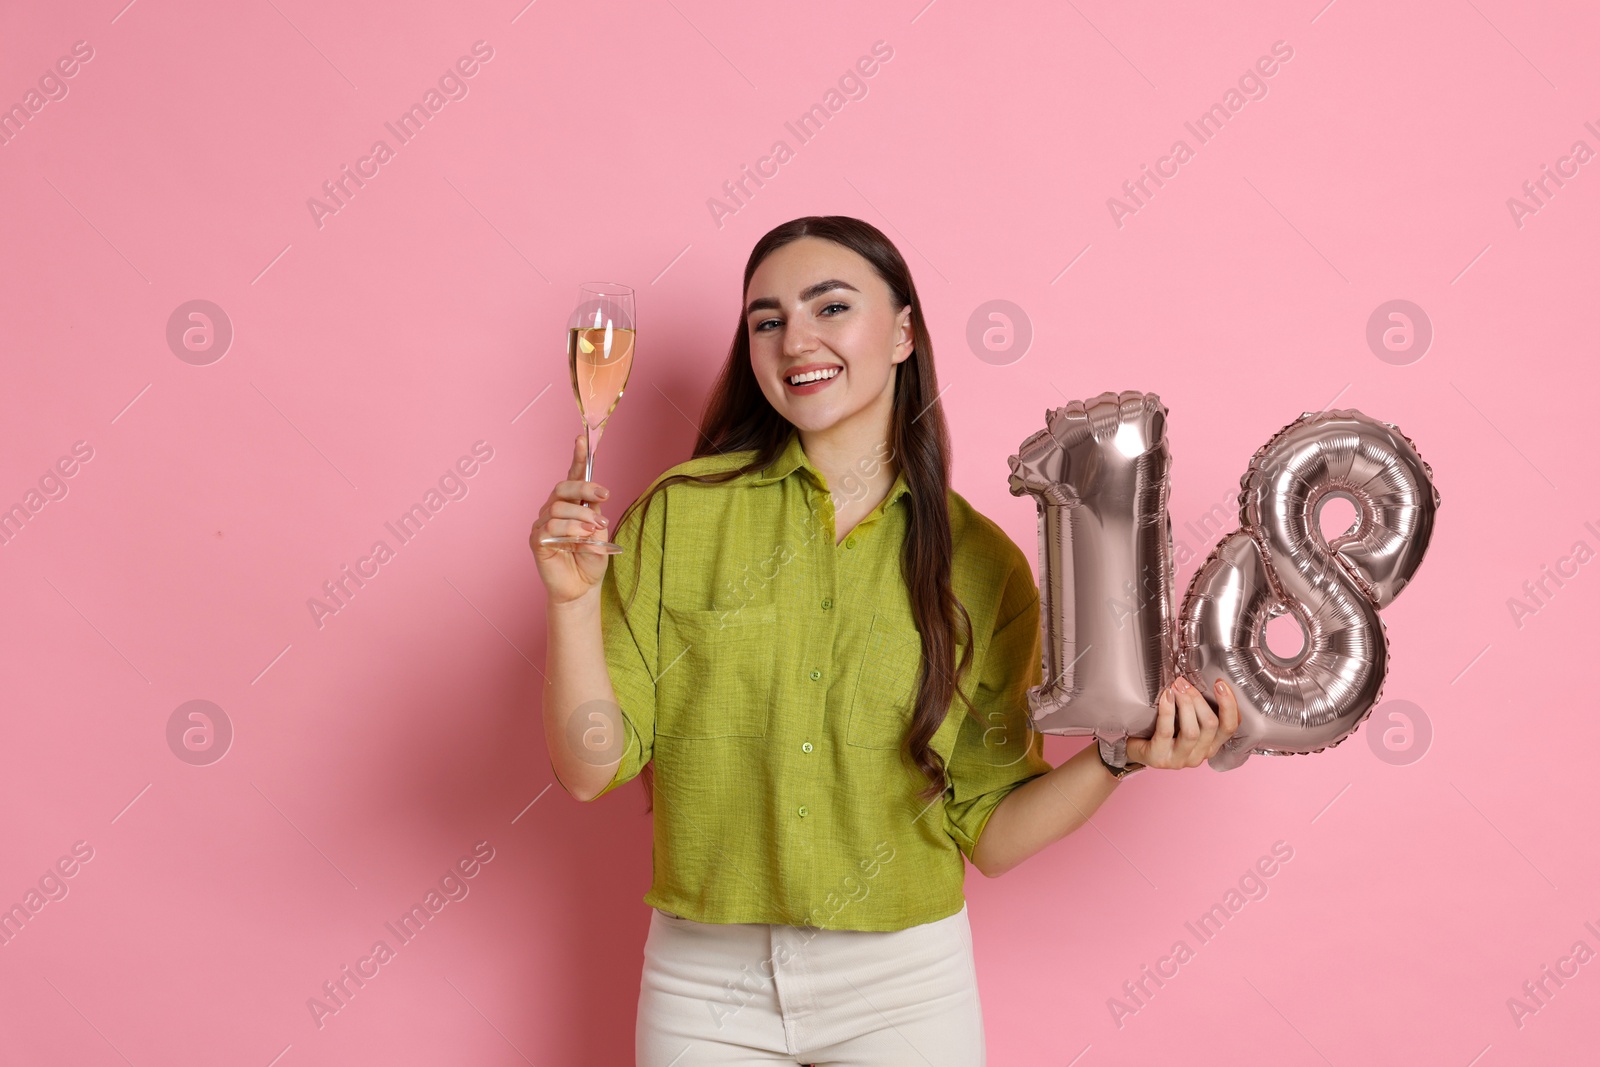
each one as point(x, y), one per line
point(812, 422)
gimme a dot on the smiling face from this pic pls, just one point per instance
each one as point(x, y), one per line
point(817, 306)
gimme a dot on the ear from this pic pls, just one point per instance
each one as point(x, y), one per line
point(906, 342)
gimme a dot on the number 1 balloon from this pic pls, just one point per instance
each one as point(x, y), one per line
point(1099, 474)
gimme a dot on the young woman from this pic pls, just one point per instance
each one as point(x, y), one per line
point(817, 656)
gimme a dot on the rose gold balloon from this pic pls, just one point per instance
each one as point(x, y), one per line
point(1279, 563)
point(1099, 475)
point(1111, 641)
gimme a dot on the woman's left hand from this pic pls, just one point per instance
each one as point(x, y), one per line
point(1200, 731)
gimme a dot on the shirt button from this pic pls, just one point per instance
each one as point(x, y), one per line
point(815, 675)
point(850, 542)
point(805, 747)
point(803, 812)
point(826, 603)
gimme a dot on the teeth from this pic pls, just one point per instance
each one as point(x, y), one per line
point(813, 376)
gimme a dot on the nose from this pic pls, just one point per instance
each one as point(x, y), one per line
point(798, 337)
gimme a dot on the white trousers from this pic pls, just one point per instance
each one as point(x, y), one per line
point(758, 993)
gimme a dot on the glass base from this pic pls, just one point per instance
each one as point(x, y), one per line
point(570, 544)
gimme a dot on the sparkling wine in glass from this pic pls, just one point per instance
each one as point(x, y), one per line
point(600, 347)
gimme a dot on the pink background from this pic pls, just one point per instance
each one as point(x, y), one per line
point(373, 351)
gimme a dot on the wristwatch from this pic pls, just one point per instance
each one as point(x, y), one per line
point(1122, 772)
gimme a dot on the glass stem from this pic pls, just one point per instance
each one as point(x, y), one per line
point(588, 453)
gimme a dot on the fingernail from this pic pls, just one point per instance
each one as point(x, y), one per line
point(602, 493)
point(1181, 685)
point(602, 520)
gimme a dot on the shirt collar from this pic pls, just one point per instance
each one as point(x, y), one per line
point(793, 457)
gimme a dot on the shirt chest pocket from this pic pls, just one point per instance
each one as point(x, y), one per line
point(886, 685)
point(717, 672)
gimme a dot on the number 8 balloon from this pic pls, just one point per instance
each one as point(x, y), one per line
point(1278, 562)
point(1099, 474)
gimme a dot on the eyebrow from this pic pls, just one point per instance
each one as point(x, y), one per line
point(811, 291)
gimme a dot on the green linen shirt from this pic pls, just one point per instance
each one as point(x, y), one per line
point(771, 672)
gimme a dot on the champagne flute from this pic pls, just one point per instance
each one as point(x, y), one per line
point(600, 345)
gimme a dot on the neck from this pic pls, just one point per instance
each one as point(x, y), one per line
point(853, 455)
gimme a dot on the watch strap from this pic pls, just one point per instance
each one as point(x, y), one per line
point(1114, 755)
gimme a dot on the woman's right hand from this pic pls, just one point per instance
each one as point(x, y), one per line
point(572, 509)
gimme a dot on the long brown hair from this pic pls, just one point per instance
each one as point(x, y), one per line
point(738, 417)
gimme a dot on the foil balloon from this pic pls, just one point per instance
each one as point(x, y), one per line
point(1111, 640)
point(1279, 563)
point(1098, 473)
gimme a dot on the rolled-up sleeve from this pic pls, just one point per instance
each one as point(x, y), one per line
point(630, 615)
point(1002, 751)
